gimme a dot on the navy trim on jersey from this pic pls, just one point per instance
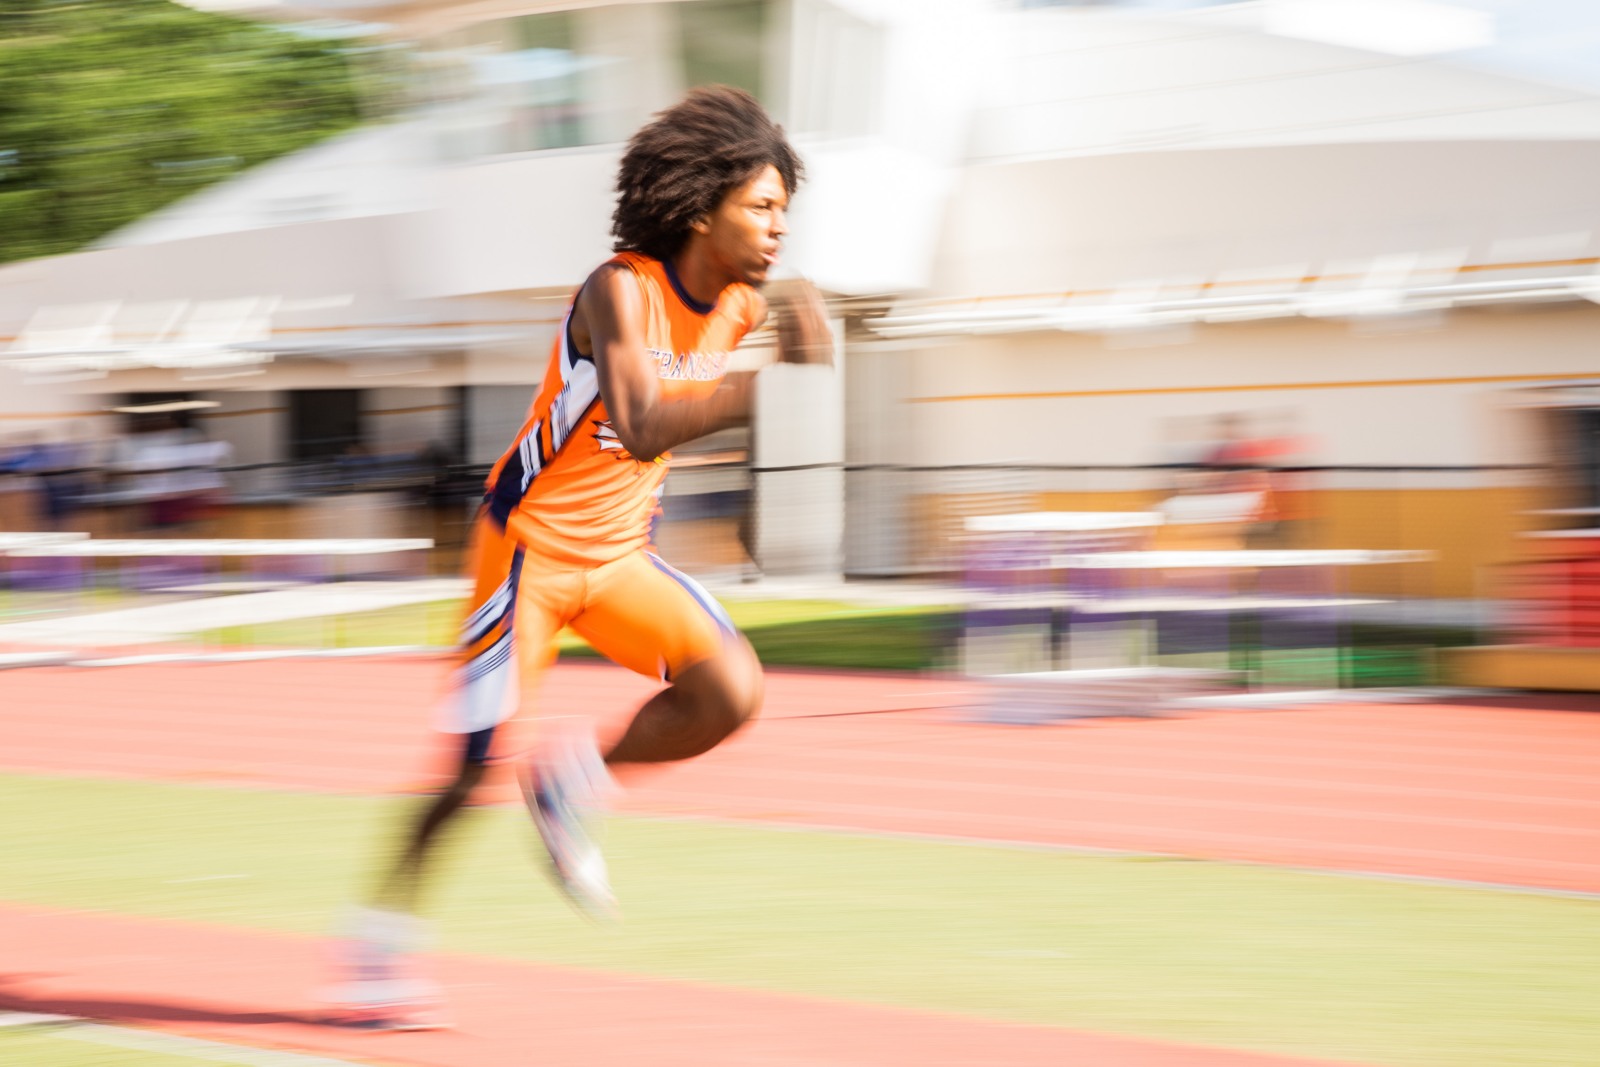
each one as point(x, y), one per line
point(507, 492)
point(514, 581)
point(502, 498)
point(496, 655)
point(695, 590)
point(566, 327)
point(683, 294)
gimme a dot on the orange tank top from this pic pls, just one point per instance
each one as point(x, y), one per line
point(566, 488)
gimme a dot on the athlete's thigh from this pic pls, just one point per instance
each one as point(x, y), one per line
point(651, 618)
point(546, 599)
point(507, 638)
point(491, 556)
point(485, 647)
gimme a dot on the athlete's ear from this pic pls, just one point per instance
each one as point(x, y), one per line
point(701, 224)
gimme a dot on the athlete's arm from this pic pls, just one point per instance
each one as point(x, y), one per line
point(803, 334)
point(611, 311)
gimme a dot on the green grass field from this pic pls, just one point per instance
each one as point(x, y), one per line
point(799, 633)
point(828, 633)
point(51, 1047)
point(76, 1045)
point(1252, 957)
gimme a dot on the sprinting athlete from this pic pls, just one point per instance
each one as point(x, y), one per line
point(563, 536)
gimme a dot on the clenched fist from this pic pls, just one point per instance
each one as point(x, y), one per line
point(802, 322)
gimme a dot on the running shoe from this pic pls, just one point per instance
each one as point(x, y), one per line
point(565, 790)
point(377, 988)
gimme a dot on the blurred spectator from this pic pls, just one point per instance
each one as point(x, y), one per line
point(65, 468)
point(1246, 463)
point(175, 474)
point(203, 489)
point(1228, 493)
point(20, 460)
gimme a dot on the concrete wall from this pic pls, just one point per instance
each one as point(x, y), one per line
point(1440, 395)
point(494, 415)
point(1179, 219)
point(797, 426)
point(1076, 81)
point(407, 419)
point(1443, 394)
point(32, 407)
point(396, 419)
point(864, 222)
point(538, 222)
point(254, 422)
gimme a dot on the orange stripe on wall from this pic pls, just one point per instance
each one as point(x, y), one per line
point(1309, 279)
point(412, 411)
point(243, 411)
point(1488, 379)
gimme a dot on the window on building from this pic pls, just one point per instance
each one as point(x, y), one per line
point(1586, 456)
point(838, 63)
point(721, 42)
point(543, 70)
point(592, 75)
point(324, 423)
point(1159, 5)
point(510, 85)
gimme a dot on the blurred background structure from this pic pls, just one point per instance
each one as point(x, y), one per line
point(1293, 275)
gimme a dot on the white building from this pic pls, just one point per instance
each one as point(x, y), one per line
point(1059, 239)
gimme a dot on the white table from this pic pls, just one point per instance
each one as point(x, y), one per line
point(224, 547)
point(1244, 558)
point(323, 559)
point(15, 542)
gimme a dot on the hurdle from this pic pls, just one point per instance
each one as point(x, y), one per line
point(171, 589)
point(1107, 630)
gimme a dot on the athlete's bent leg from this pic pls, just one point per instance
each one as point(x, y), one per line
point(645, 615)
point(652, 618)
point(399, 885)
point(702, 707)
point(566, 788)
point(380, 986)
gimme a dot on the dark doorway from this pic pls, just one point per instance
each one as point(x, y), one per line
point(1586, 456)
point(148, 412)
point(324, 422)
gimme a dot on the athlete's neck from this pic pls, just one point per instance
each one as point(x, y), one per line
point(702, 281)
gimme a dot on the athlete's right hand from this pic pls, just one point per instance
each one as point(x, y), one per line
point(802, 323)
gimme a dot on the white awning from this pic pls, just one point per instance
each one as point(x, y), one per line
point(324, 289)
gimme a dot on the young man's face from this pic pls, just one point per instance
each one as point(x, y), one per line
point(745, 232)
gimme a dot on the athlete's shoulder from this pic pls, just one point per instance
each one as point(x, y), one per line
point(745, 304)
point(618, 282)
point(755, 305)
point(641, 266)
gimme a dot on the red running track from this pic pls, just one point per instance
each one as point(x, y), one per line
point(1505, 792)
point(191, 979)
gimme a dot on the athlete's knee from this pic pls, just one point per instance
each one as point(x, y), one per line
point(725, 693)
point(743, 685)
point(752, 683)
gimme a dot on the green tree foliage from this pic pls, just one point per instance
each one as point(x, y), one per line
point(110, 109)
